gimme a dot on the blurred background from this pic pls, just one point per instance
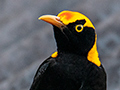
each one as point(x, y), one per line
point(25, 42)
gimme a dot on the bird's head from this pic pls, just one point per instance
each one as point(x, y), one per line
point(74, 33)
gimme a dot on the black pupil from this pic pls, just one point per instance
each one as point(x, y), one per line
point(79, 27)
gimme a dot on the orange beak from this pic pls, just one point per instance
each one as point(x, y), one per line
point(54, 20)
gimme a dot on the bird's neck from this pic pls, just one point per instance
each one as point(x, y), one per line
point(93, 55)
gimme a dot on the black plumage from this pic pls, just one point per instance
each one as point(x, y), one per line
point(70, 69)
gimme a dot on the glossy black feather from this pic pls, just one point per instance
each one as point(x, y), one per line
point(69, 72)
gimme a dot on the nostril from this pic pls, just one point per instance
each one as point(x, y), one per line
point(57, 18)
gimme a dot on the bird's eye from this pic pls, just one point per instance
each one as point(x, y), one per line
point(79, 28)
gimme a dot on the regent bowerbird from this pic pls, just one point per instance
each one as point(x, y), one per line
point(75, 65)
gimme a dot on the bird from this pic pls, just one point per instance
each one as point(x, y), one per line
point(75, 65)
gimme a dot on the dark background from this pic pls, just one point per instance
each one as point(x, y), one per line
point(25, 41)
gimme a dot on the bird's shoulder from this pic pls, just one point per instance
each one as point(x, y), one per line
point(43, 67)
point(41, 71)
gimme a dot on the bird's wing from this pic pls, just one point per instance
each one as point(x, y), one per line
point(39, 74)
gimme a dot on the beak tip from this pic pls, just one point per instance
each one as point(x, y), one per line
point(39, 18)
point(43, 17)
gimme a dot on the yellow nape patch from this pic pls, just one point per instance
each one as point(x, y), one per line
point(54, 55)
point(69, 17)
point(93, 54)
